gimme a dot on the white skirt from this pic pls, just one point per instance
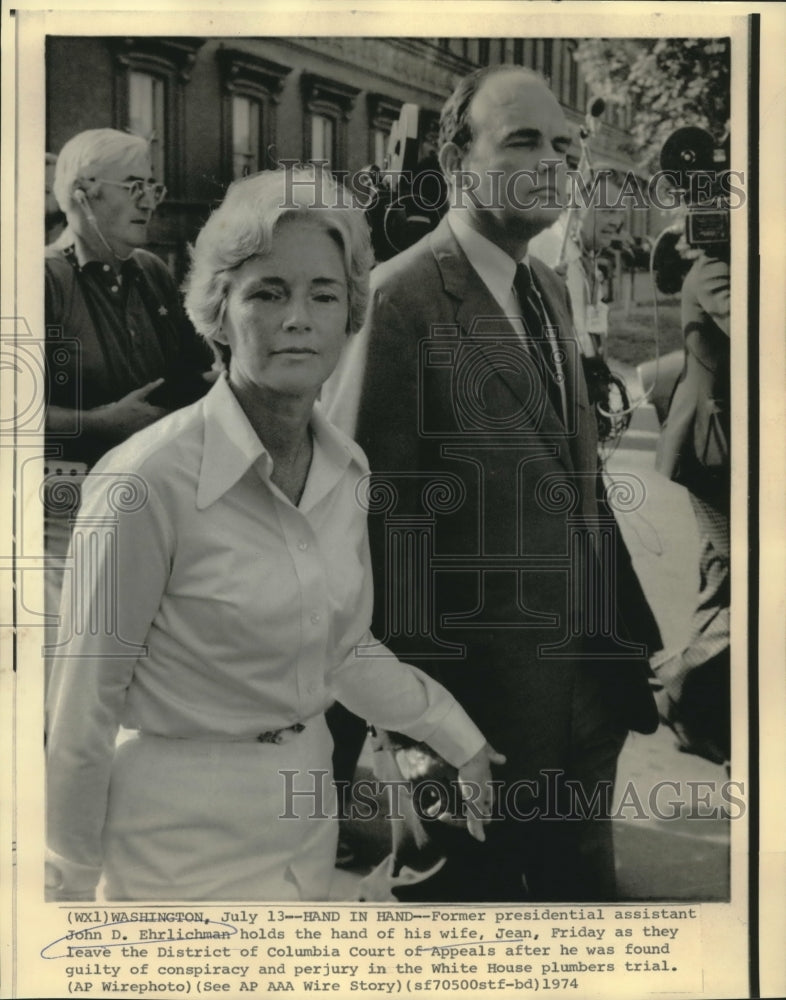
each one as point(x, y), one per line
point(205, 819)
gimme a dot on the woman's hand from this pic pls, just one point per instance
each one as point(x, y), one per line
point(477, 790)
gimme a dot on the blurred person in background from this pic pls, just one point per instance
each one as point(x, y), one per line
point(694, 450)
point(578, 246)
point(117, 300)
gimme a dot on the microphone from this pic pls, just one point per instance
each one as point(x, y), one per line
point(595, 108)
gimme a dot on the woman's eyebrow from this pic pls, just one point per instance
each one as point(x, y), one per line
point(272, 280)
point(262, 280)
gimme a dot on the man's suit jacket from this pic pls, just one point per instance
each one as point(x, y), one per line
point(478, 479)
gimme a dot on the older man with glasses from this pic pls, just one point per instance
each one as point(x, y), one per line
point(120, 352)
point(115, 324)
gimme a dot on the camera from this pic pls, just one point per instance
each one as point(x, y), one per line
point(700, 168)
point(410, 195)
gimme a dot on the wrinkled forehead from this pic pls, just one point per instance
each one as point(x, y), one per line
point(126, 165)
point(516, 101)
point(132, 165)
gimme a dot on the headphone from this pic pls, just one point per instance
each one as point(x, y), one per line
point(81, 197)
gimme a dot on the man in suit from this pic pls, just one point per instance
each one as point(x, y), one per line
point(489, 548)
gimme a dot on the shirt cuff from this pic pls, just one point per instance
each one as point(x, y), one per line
point(457, 738)
point(71, 875)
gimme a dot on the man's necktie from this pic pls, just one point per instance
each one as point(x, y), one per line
point(539, 338)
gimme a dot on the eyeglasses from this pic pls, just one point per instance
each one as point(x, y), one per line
point(137, 188)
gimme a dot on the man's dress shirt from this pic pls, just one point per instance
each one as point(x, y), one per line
point(342, 392)
point(250, 613)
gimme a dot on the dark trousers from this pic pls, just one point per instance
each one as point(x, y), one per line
point(552, 845)
point(349, 735)
point(696, 696)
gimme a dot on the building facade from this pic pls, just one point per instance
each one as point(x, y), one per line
point(217, 108)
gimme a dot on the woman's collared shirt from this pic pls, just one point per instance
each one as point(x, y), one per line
point(200, 603)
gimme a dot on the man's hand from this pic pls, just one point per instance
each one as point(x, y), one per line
point(128, 415)
point(57, 891)
point(477, 790)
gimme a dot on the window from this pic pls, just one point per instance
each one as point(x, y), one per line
point(548, 58)
point(328, 106)
point(558, 65)
point(382, 113)
point(147, 115)
point(246, 117)
point(252, 87)
point(571, 91)
point(149, 95)
point(570, 87)
point(379, 146)
point(323, 135)
point(584, 94)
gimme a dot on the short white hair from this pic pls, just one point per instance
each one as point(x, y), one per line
point(86, 153)
point(245, 224)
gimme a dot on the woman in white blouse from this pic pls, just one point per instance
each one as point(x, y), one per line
point(220, 593)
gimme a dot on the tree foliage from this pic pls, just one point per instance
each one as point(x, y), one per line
point(666, 82)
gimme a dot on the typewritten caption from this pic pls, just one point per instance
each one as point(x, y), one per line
point(582, 950)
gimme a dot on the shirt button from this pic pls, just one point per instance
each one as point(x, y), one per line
point(106, 267)
point(316, 619)
point(115, 288)
point(302, 546)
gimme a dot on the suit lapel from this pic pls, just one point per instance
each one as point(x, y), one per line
point(554, 298)
point(478, 313)
point(581, 419)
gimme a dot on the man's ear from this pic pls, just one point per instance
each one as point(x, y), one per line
point(86, 186)
point(451, 159)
